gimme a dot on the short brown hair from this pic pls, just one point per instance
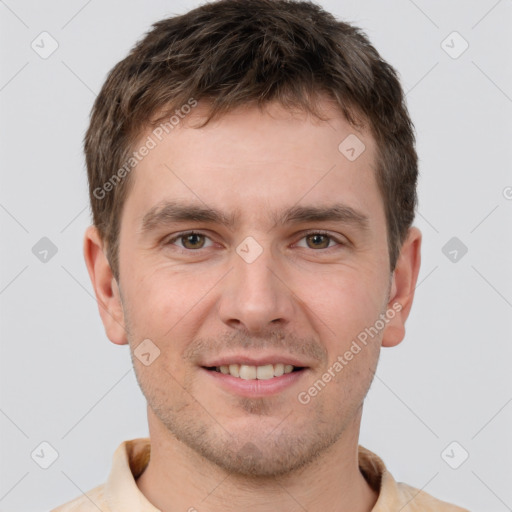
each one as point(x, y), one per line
point(241, 52)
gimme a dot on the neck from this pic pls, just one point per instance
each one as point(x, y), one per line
point(178, 479)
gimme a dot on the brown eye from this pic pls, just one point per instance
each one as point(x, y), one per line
point(192, 241)
point(321, 241)
point(318, 241)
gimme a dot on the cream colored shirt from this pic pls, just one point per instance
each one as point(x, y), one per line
point(121, 494)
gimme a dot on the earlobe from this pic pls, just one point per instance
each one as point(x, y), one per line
point(105, 287)
point(403, 284)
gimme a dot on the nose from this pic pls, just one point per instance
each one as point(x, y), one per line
point(256, 295)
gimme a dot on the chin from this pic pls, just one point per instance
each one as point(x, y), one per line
point(250, 450)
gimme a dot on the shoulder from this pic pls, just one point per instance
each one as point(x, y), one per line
point(395, 495)
point(416, 500)
point(89, 502)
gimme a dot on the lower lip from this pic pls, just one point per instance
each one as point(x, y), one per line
point(255, 388)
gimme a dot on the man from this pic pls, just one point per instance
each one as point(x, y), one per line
point(252, 179)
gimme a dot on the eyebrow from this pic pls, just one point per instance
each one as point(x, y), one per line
point(168, 212)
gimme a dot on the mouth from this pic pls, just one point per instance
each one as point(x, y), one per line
point(253, 372)
point(255, 377)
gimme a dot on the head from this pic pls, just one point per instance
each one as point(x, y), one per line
point(280, 137)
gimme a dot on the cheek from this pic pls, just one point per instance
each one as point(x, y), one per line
point(160, 300)
point(169, 307)
point(344, 301)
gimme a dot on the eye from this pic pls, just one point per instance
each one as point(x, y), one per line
point(191, 240)
point(320, 240)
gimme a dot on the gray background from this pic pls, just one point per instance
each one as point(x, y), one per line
point(64, 383)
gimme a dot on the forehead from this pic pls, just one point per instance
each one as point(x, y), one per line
point(250, 162)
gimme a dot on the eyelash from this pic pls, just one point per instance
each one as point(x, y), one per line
point(171, 241)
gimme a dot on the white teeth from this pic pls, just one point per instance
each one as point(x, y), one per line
point(234, 369)
point(248, 372)
point(278, 370)
point(265, 372)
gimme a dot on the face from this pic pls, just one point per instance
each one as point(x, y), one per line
point(250, 305)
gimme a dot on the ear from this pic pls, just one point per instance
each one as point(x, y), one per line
point(403, 284)
point(105, 287)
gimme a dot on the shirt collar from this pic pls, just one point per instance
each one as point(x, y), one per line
point(131, 458)
point(121, 490)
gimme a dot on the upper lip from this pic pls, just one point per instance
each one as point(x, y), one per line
point(255, 360)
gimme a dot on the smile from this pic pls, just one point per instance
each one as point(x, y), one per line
point(250, 372)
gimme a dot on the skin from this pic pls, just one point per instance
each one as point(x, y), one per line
point(197, 299)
